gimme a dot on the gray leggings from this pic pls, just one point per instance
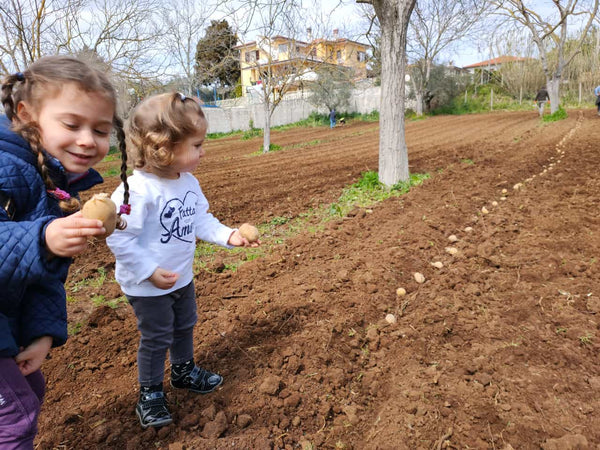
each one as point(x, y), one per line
point(166, 323)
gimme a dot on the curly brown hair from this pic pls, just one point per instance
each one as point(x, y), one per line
point(159, 123)
point(44, 79)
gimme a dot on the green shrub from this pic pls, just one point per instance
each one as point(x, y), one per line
point(559, 114)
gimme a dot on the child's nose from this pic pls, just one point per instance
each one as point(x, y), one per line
point(85, 138)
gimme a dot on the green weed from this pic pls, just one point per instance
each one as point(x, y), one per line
point(251, 133)
point(272, 148)
point(74, 328)
point(559, 114)
point(585, 339)
point(215, 136)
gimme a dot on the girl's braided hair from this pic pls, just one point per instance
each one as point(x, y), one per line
point(44, 78)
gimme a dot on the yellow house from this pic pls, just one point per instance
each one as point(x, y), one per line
point(290, 59)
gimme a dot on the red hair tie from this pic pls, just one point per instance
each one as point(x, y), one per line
point(125, 209)
point(59, 194)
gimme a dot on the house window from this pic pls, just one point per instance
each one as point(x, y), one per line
point(251, 56)
point(361, 56)
point(338, 54)
point(283, 48)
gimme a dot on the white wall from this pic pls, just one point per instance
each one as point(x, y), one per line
point(226, 119)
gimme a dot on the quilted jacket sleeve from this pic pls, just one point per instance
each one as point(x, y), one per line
point(23, 255)
point(32, 303)
point(44, 313)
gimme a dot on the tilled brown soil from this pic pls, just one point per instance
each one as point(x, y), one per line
point(497, 349)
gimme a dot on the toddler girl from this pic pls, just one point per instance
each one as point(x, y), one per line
point(154, 256)
point(59, 115)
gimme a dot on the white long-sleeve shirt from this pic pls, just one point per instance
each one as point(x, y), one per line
point(166, 218)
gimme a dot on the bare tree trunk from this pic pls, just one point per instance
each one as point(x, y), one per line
point(553, 89)
point(267, 129)
point(521, 95)
point(419, 101)
point(393, 154)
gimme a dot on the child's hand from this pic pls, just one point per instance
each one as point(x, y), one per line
point(31, 358)
point(163, 279)
point(236, 239)
point(67, 236)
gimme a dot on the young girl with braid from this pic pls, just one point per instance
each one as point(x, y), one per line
point(59, 116)
point(155, 254)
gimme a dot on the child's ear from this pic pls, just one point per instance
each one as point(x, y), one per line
point(24, 112)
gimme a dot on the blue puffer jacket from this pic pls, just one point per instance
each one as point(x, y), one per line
point(32, 297)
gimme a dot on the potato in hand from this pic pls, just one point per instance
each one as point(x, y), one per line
point(250, 232)
point(101, 207)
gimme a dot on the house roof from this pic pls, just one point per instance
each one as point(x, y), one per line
point(495, 61)
point(274, 38)
point(313, 42)
point(337, 41)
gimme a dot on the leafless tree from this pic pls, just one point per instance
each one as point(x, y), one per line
point(123, 35)
point(523, 77)
point(435, 26)
point(269, 19)
point(185, 22)
point(550, 34)
point(32, 28)
point(393, 16)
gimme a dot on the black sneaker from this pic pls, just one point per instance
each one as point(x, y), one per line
point(198, 380)
point(152, 410)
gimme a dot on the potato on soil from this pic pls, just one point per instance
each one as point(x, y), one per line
point(101, 207)
point(250, 232)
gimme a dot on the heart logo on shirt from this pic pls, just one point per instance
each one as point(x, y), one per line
point(178, 219)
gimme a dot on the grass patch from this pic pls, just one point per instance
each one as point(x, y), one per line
point(272, 148)
point(74, 328)
point(100, 300)
point(559, 114)
point(478, 101)
point(251, 133)
point(214, 136)
point(369, 190)
point(111, 172)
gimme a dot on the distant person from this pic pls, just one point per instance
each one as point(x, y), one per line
point(332, 118)
point(155, 254)
point(59, 114)
point(541, 98)
point(597, 94)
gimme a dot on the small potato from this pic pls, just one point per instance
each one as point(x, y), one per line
point(101, 207)
point(400, 292)
point(419, 278)
point(250, 232)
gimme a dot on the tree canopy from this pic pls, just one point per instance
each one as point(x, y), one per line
point(217, 61)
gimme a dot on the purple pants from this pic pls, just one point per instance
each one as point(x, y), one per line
point(20, 401)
